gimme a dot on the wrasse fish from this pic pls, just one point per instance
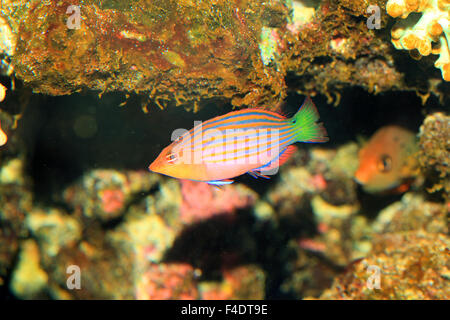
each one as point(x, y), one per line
point(386, 161)
point(250, 141)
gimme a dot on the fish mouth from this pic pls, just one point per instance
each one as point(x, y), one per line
point(361, 177)
point(152, 167)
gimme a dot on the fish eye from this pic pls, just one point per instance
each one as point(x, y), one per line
point(385, 163)
point(171, 157)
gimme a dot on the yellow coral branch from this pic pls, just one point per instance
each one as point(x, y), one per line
point(432, 27)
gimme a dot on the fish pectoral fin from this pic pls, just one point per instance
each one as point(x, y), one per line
point(257, 174)
point(219, 183)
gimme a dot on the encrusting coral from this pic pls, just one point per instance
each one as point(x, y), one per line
point(405, 265)
point(171, 50)
point(188, 51)
point(432, 27)
point(434, 149)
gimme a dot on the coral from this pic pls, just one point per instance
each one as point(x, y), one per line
point(12, 172)
point(360, 7)
point(433, 27)
point(167, 281)
point(408, 241)
point(3, 137)
point(7, 47)
point(53, 229)
point(334, 50)
point(241, 283)
point(247, 282)
point(10, 144)
point(268, 45)
point(295, 183)
point(166, 202)
point(342, 235)
point(263, 211)
point(434, 153)
point(329, 172)
point(345, 162)
point(371, 244)
point(374, 75)
point(413, 212)
point(326, 212)
point(412, 265)
point(144, 235)
point(106, 271)
point(9, 244)
point(104, 194)
point(28, 278)
point(302, 13)
point(201, 201)
point(324, 187)
point(15, 203)
point(308, 274)
point(182, 50)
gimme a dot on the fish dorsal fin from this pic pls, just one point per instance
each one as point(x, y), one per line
point(279, 109)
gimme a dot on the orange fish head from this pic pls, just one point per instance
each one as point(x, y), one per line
point(376, 172)
point(383, 160)
point(173, 162)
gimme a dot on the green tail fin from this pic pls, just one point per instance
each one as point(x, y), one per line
point(306, 127)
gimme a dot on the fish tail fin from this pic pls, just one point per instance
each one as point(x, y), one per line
point(306, 126)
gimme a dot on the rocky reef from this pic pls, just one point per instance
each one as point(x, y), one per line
point(435, 149)
point(168, 49)
point(239, 50)
point(410, 259)
point(88, 98)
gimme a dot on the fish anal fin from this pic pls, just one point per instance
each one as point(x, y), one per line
point(280, 159)
point(219, 183)
point(286, 154)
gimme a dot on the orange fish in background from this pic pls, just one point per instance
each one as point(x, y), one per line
point(253, 141)
point(387, 162)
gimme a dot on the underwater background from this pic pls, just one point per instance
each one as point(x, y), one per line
point(91, 92)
